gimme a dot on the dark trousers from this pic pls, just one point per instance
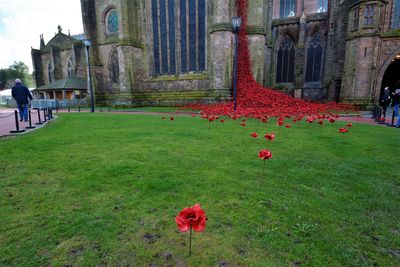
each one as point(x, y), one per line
point(23, 112)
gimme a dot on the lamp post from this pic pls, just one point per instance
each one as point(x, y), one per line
point(236, 22)
point(88, 43)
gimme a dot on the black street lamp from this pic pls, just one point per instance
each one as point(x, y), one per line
point(88, 43)
point(236, 22)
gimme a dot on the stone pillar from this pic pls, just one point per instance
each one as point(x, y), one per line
point(300, 56)
point(221, 43)
point(257, 37)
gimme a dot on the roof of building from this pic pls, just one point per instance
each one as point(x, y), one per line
point(73, 83)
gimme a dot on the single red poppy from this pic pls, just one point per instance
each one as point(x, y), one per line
point(191, 217)
point(331, 120)
point(288, 126)
point(172, 118)
point(243, 124)
point(270, 136)
point(222, 121)
point(254, 135)
point(349, 125)
point(343, 130)
point(265, 154)
point(321, 122)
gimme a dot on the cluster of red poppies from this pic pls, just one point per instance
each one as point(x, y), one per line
point(253, 99)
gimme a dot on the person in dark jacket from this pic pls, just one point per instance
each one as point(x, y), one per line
point(385, 101)
point(21, 94)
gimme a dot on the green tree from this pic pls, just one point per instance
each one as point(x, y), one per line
point(17, 70)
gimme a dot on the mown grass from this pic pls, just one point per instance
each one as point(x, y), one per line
point(104, 189)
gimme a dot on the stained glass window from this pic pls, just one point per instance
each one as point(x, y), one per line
point(369, 14)
point(114, 66)
point(396, 15)
point(112, 21)
point(356, 17)
point(322, 6)
point(285, 61)
point(70, 69)
point(314, 59)
point(287, 8)
point(191, 36)
point(50, 73)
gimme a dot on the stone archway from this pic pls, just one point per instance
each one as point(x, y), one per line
point(382, 80)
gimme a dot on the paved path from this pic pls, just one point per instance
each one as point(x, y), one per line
point(7, 119)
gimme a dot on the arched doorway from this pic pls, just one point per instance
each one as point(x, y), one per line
point(391, 78)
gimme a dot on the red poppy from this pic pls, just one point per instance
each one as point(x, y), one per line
point(343, 130)
point(349, 125)
point(171, 118)
point(254, 135)
point(270, 136)
point(243, 124)
point(193, 115)
point(222, 121)
point(265, 154)
point(321, 122)
point(191, 217)
point(331, 120)
point(163, 118)
point(288, 126)
point(382, 118)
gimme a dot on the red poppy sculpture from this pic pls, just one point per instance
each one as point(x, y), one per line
point(191, 218)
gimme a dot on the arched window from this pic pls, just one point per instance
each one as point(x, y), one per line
point(314, 59)
point(285, 62)
point(190, 38)
point(50, 72)
point(396, 15)
point(112, 21)
point(287, 8)
point(114, 66)
point(322, 6)
point(70, 69)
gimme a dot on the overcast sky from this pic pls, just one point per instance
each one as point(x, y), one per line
point(22, 22)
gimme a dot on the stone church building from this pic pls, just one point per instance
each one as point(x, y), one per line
point(175, 51)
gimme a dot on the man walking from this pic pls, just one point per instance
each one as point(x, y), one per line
point(21, 94)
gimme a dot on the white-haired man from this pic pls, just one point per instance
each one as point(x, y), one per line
point(21, 94)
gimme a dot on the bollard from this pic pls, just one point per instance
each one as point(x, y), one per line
point(392, 125)
point(17, 130)
point(30, 121)
point(44, 115)
point(40, 120)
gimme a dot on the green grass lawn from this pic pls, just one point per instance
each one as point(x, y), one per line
point(104, 189)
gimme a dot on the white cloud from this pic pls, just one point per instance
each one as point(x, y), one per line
point(22, 22)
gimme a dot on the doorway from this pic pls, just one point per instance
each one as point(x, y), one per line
point(391, 78)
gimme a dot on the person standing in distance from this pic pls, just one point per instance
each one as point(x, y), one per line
point(21, 94)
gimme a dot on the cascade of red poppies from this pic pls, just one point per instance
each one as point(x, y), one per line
point(253, 99)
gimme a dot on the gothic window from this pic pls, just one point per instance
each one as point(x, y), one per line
point(356, 17)
point(285, 61)
point(369, 14)
point(50, 72)
point(322, 6)
point(112, 21)
point(287, 8)
point(396, 15)
point(314, 59)
point(191, 37)
point(70, 69)
point(114, 66)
